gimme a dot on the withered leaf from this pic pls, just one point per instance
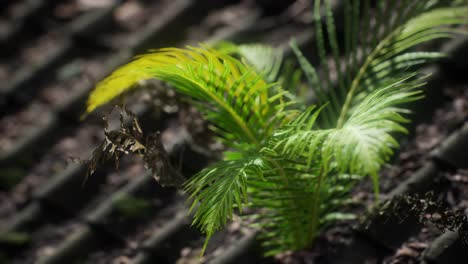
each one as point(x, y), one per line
point(157, 159)
point(128, 140)
point(125, 140)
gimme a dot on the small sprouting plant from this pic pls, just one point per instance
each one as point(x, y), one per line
point(293, 163)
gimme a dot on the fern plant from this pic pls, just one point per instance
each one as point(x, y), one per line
point(295, 163)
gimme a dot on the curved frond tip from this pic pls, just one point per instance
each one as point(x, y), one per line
point(231, 94)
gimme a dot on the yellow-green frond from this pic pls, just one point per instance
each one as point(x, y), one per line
point(230, 93)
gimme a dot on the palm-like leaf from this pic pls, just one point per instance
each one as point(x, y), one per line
point(383, 54)
point(365, 108)
point(298, 196)
point(286, 218)
point(318, 167)
point(298, 173)
point(367, 103)
point(220, 188)
point(365, 141)
point(265, 59)
point(231, 94)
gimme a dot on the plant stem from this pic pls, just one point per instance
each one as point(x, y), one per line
point(281, 171)
point(357, 80)
point(375, 182)
point(315, 206)
point(236, 117)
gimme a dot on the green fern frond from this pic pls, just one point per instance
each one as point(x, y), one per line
point(231, 94)
point(428, 26)
point(355, 134)
point(298, 198)
point(297, 169)
point(286, 217)
point(266, 60)
point(365, 141)
point(374, 48)
point(324, 164)
point(284, 211)
point(219, 189)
